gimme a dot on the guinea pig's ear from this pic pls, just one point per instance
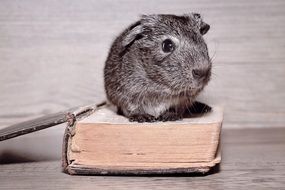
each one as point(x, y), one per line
point(150, 20)
point(134, 33)
point(203, 27)
point(138, 30)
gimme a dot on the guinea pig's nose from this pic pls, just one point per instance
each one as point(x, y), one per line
point(200, 73)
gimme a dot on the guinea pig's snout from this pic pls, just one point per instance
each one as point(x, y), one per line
point(200, 73)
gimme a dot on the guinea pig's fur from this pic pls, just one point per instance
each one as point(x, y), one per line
point(157, 66)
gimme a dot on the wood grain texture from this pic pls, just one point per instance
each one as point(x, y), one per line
point(252, 159)
point(50, 48)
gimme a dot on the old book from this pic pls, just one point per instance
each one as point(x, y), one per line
point(105, 143)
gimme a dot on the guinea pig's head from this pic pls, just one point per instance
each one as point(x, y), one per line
point(171, 51)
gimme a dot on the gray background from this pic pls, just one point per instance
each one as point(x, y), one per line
point(52, 56)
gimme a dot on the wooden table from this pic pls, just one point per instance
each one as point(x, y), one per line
point(52, 58)
point(252, 159)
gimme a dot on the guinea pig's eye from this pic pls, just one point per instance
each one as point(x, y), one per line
point(168, 46)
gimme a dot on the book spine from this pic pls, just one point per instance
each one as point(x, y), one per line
point(72, 118)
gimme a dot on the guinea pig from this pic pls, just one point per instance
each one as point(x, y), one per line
point(157, 66)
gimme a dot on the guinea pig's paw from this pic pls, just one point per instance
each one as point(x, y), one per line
point(199, 108)
point(141, 118)
point(170, 116)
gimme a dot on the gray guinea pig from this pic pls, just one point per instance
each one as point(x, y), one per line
point(157, 67)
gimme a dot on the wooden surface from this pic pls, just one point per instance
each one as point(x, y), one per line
point(52, 55)
point(252, 159)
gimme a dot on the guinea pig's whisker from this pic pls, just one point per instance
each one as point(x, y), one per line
point(213, 57)
point(214, 74)
point(214, 53)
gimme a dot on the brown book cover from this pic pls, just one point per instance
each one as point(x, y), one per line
point(105, 143)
